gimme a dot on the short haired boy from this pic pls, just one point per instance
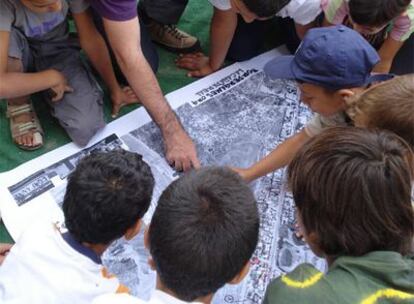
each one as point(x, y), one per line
point(351, 188)
point(388, 106)
point(202, 235)
point(236, 38)
point(37, 54)
point(331, 65)
point(106, 197)
point(387, 24)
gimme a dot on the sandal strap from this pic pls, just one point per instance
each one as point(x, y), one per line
point(23, 128)
point(13, 111)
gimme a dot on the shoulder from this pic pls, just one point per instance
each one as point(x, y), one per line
point(221, 4)
point(335, 10)
point(78, 6)
point(301, 11)
point(296, 286)
point(120, 298)
point(403, 26)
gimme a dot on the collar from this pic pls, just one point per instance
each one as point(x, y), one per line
point(167, 298)
point(72, 242)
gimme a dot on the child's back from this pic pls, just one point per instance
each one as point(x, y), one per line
point(352, 191)
point(106, 197)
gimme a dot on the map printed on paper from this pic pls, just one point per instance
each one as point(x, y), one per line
point(234, 120)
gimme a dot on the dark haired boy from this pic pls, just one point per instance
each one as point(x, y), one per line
point(202, 235)
point(352, 188)
point(106, 197)
point(234, 34)
point(331, 65)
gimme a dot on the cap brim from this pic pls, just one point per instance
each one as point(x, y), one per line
point(280, 67)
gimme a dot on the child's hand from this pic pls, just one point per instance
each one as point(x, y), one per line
point(57, 91)
point(122, 97)
point(244, 173)
point(4, 250)
point(197, 63)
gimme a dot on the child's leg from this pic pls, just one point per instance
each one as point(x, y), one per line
point(25, 127)
point(80, 113)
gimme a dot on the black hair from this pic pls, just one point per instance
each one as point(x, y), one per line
point(265, 8)
point(352, 188)
point(376, 12)
point(203, 232)
point(106, 195)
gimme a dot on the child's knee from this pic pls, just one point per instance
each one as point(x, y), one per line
point(83, 129)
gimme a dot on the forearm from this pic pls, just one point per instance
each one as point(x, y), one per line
point(223, 27)
point(279, 157)
point(98, 54)
point(15, 84)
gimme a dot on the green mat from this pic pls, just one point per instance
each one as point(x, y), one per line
point(170, 79)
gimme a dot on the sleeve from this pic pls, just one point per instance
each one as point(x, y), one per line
point(7, 14)
point(116, 10)
point(318, 123)
point(403, 26)
point(78, 6)
point(299, 286)
point(335, 11)
point(305, 12)
point(222, 5)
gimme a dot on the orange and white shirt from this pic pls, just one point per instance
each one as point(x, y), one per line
point(46, 266)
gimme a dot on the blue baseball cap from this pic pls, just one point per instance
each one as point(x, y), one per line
point(334, 57)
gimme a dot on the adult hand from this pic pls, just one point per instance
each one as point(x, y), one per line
point(4, 250)
point(180, 151)
point(122, 97)
point(197, 63)
point(61, 88)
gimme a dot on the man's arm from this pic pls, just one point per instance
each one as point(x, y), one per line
point(278, 158)
point(222, 29)
point(124, 39)
point(17, 84)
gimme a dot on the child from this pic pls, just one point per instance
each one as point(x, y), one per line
point(37, 54)
point(202, 235)
point(351, 188)
point(386, 24)
point(331, 65)
point(388, 105)
point(239, 40)
point(106, 197)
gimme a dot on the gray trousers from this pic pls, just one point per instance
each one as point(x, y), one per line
point(164, 11)
point(80, 113)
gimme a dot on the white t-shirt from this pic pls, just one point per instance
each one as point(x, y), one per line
point(157, 297)
point(301, 11)
point(318, 123)
point(43, 268)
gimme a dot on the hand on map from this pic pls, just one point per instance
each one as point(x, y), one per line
point(4, 250)
point(180, 151)
point(122, 97)
point(244, 173)
point(197, 63)
point(62, 87)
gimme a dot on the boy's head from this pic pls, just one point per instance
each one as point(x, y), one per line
point(388, 105)
point(43, 6)
point(330, 65)
point(371, 16)
point(107, 194)
point(203, 233)
point(352, 190)
point(251, 10)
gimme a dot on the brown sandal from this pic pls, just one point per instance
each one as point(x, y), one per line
point(22, 128)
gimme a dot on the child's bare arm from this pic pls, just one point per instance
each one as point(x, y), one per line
point(301, 30)
point(387, 52)
point(223, 26)
point(278, 158)
point(95, 48)
point(17, 84)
